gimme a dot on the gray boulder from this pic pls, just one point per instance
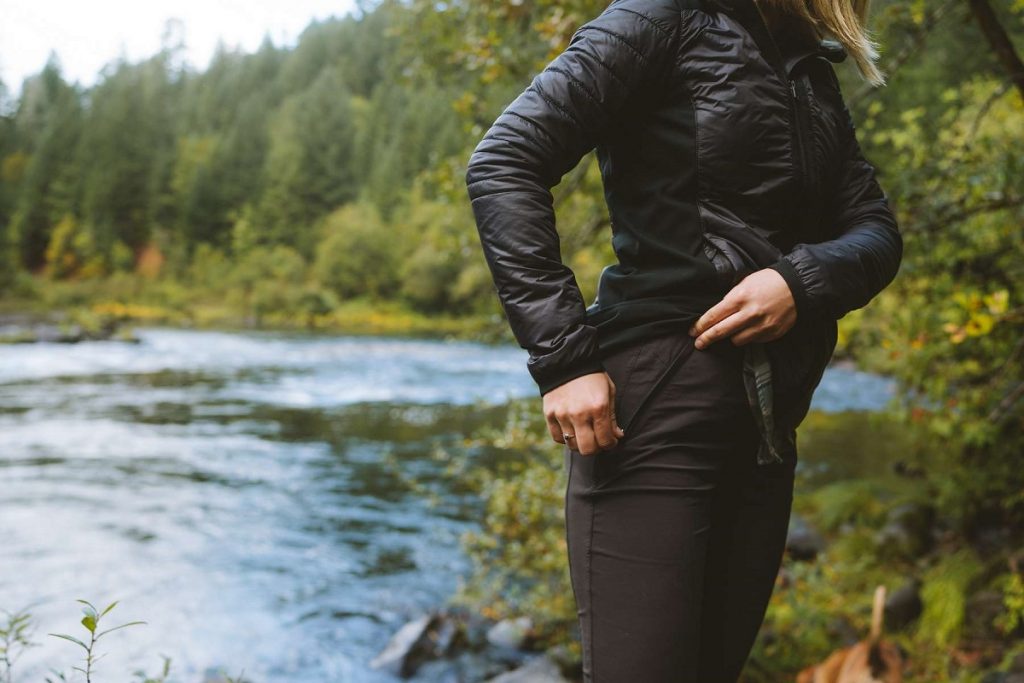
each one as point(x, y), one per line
point(511, 633)
point(803, 542)
point(537, 670)
point(409, 647)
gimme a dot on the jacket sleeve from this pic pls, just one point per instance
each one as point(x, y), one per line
point(610, 61)
point(837, 276)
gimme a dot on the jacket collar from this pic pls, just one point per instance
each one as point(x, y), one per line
point(747, 13)
point(831, 50)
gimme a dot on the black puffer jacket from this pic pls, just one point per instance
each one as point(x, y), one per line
point(705, 125)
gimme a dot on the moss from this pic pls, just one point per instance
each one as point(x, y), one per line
point(854, 502)
point(944, 594)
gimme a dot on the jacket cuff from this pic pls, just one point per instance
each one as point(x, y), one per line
point(789, 273)
point(554, 378)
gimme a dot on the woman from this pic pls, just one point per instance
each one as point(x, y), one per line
point(746, 221)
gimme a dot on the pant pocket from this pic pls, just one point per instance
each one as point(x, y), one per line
point(620, 365)
point(650, 367)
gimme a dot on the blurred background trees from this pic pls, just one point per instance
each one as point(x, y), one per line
point(283, 184)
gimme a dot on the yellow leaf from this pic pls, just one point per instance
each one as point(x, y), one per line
point(997, 302)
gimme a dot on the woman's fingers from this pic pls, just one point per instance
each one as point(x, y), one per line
point(583, 408)
point(728, 306)
point(584, 442)
point(604, 431)
point(725, 328)
point(758, 308)
point(555, 429)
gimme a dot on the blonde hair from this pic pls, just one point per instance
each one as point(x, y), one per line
point(843, 20)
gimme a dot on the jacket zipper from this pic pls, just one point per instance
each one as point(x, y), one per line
point(800, 161)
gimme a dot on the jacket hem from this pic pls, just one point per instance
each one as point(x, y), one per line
point(553, 380)
point(796, 285)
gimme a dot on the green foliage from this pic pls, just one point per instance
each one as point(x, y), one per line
point(71, 250)
point(813, 608)
point(359, 254)
point(945, 596)
point(127, 140)
point(850, 502)
point(162, 677)
point(267, 279)
point(15, 639)
point(1013, 599)
point(40, 171)
point(519, 554)
point(445, 270)
point(951, 324)
point(308, 165)
point(485, 42)
point(91, 622)
point(197, 187)
point(400, 133)
point(281, 137)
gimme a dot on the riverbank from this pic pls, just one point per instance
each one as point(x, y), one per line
point(864, 512)
point(98, 319)
point(327, 480)
point(125, 300)
point(252, 479)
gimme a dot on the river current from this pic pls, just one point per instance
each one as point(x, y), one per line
point(245, 493)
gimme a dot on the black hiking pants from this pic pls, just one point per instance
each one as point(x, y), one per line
point(675, 536)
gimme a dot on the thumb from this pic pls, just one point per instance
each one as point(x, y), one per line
point(619, 433)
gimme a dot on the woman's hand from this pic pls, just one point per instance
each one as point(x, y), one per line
point(584, 408)
point(759, 308)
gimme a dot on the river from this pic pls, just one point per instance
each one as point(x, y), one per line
point(243, 493)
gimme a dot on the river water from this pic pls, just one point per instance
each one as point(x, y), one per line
point(246, 494)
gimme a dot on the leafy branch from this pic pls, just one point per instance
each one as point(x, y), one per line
point(91, 622)
point(14, 638)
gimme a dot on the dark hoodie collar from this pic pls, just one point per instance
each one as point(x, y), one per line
point(831, 50)
point(797, 49)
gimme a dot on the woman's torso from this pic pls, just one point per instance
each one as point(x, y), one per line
point(746, 133)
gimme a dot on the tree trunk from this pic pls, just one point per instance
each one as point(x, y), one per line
point(999, 41)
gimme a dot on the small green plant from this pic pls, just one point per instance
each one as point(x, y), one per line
point(15, 630)
point(91, 622)
point(1013, 600)
point(241, 678)
point(165, 671)
point(14, 640)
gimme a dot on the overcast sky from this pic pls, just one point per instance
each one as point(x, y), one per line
point(88, 34)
